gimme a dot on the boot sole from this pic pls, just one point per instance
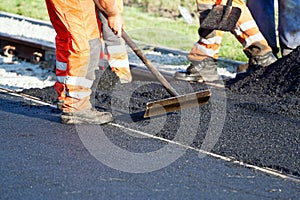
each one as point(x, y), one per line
point(190, 78)
point(80, 120)
point(199, 79)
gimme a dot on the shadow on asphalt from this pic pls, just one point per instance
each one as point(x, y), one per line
point(20, 106)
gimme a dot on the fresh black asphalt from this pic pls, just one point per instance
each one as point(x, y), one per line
point(44, 159)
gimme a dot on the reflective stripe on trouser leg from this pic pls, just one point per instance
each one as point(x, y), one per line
point(247, 31)
point(62, 54)
point(118, 60)
point(79, 87)
point(209, 41)
point(206, 47)
point(62, 48)
point(117, 52)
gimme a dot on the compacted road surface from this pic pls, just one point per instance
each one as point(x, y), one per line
point(44, 159)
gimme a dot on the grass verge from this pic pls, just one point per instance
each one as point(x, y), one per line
point(141, 26)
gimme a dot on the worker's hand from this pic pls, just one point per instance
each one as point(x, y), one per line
point(116, 24)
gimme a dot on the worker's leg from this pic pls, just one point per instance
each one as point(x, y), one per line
point(204, 53)
point(263, 13)
point(84, 44)
point(289, 25)
point(62, 51)
point(117, 52)
point(255, 45)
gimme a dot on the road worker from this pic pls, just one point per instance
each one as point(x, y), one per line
point(204, 54)
point(263, 11)
point(78, 46)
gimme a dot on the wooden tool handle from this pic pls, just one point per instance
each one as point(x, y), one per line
point(229, 3)
point(149, 65)
point(227, 9)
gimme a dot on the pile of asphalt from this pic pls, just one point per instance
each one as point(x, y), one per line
point(281, 79)
point(262, 123)
point(277, 86)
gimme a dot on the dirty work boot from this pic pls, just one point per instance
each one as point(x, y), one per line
point(256, 62)
point(87, 116)
point(59, 104)
point(199, 71)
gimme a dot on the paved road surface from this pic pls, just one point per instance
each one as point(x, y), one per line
point(43, 159)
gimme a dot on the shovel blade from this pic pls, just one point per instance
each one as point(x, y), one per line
point(171, 104)
point(219, 19)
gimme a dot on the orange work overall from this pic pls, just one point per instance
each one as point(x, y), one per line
point(78, 46)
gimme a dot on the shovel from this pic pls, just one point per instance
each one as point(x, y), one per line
point(222, 17)
point(176, 102)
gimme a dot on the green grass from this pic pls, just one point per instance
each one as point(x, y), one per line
point(31, 8)
point(159, 31)
point(141, 26)
point(173, 33)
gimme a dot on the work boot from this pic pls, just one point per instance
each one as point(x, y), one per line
point(59, 104)
point(199, 71)
point(256, 62)
point(87, 116)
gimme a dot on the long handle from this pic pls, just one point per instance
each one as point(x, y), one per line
point(149, 65)
point(227, 9)
point(229, 3)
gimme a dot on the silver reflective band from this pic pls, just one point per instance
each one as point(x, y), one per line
point(61, 65)
point(79, 81)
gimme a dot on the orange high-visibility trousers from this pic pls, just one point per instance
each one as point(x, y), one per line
point(78, 46)
point(246, 32)
point(115, 49)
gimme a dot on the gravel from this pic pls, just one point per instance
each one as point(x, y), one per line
point(26, 75)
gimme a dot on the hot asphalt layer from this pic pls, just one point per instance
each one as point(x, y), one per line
point(256, 121)
point(258, 129)
point(44, 159)
point(241, 127)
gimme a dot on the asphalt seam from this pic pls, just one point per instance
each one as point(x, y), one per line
point(227, 159)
